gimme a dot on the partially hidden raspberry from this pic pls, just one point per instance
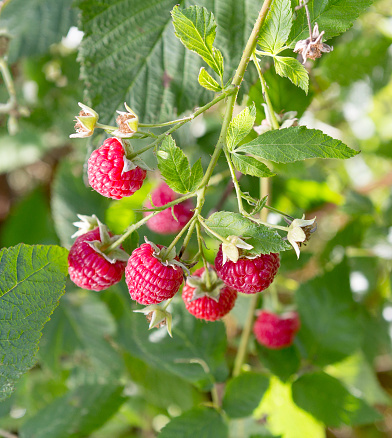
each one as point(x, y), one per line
point(208, 307)
point(276, 331)
point(248, 275)
point(149, 279)
point(88, 269)
point(106, 171)
point(164, 222)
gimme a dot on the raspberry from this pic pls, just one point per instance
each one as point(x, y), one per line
point(88, 269)
point(164, 222)
point(248, 275)
point(106, 175)
point(276, 331)
point(149, 279)
point(206, 307)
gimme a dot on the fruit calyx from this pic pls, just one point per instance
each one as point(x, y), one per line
point(158, 316)
point(167, 258)
point(201, 287)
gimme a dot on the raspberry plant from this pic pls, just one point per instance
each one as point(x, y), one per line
point(194, 171)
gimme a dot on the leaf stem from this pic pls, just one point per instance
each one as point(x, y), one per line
point(235, 182)
point(161, 125)
point(201, 251)
point(179, 235)
point(218, 236)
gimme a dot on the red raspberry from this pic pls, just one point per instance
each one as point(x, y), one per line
point(276, 331)
point(149, 280)
point(105, 171)
point(90, 270)
point(205, 307)
point(164, 222)
point(248, 275)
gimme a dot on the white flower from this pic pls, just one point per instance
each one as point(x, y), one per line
point(230, 248)
point(86, 223)
point(299, 232)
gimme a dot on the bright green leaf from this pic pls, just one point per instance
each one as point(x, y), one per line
point(296, 143)
point(291, 68)
point(250, 166)
point(207, 81)
point(196, 176)
point(264, 240)
point(240, 126)
point(32, 280)
point(276, 28)
point(283, 363)
point(196, 28)
point(330, 402)
point(198, 422)
point(243, 394)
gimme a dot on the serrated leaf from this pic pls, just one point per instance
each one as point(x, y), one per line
point(333, 17)
point(23, 20)
point(196, 28)
point(196, 175)
point(283, 363)
point(32, 280)
point(240, 126)
point(291, 68)
point(207, 81)
point(296, 143)
point(174, 165)
point(276, 28)
point(259, 205)
point(243, 394)
point(198, 422)
point(263, 239)
point(330, 402)
point(78, 413)
point(250, 166)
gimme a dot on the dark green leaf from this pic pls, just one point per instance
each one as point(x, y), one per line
point(76, 414)
point(283, 363)
point(196, 176)
point(276, 28)
point(250, 166)
point(294, 144)
point(263, 239)
point(330, 402)
point(32, 280)
point(207, 81)
point(243, 394)
point(240, 126)
point(291, 68)
point(198, 422)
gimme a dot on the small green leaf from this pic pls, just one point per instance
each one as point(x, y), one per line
point(198, 422)
point(174, 165)
point(263, 239)
point(330, 402)
point(295, 144)
point(276, 28)
point(32, 280)
point(291, 68)
point(207, 81)
point(196, 28)
point(259, 206)
point(250, 166)
point(243, 394)
point(283, 363)
point(240, 127)
point(196, 175)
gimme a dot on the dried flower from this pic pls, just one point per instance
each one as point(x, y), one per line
point(312, 47)
point(299, 232)
point(85, 122)
point(127, 123)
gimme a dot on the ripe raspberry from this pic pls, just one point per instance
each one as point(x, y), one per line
point(106, 172)
point(248, 275)
point(88, 269)
point(151, 280)
point(164, 222)
point(276, 331)
point(206, 307)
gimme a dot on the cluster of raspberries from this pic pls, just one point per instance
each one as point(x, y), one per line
point(151, 278)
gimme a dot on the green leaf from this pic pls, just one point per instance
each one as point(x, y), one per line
point(263, 239)
point(198, 422)
point(243, 394)
point(76, 414)
point(291, 68)
point(240, 126)
point(330, 328)
point(24, 20)
point(250, 166)
point(333, 17)
point(283, 363)
point(330, 402)
point(174, 165)
point(196, 28)
point(207, 81)
point(196, 175)
point(276, 28)
point(294, 144)
point(32, 280)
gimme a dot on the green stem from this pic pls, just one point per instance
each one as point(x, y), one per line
point(9, 83)
point(201, 250)
point(218, 236)
point(179, 235)
point(108, 127)
point(275, 210)
point(215, 397)
point(235, 182)
point(161, 125)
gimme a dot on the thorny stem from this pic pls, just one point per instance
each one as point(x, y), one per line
point(201, 250)
point(236, 183)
